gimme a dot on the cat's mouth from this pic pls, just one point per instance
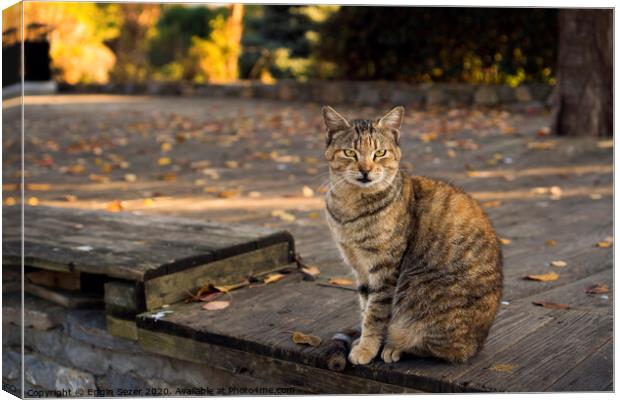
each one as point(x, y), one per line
point(363, 179)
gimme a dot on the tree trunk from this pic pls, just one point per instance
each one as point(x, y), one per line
point(234, 29)
point(583, 102)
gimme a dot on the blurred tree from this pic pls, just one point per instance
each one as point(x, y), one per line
point(77, 32)
point(583, 101)
point(131, 46)
point(421, 44)
point(217, 57)
point(278, 41)
point(169, 48)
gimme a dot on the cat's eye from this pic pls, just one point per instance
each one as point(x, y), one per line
point(350, 153)
point(380, 153)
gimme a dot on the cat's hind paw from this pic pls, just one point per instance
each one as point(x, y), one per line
point(390, 354)
point(361, 355)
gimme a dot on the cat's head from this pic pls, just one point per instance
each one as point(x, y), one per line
point(363, 152)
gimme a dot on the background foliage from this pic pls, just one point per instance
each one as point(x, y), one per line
point(96, 42)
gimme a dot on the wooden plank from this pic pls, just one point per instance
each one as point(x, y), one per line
point(64, 298)
point(61, 280)
point(594, 373)
point(309, 379)
point(124, 245)
point(173, 287)
point(543, 356)
point(123, 328)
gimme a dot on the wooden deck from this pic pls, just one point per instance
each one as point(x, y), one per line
point(550, 198)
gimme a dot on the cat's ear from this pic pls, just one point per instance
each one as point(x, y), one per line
point(393, 119)
point(334, 122)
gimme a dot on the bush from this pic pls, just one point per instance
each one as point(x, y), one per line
point(420, 44)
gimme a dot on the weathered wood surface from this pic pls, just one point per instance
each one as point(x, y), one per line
point(125, 246)
point(544, 349)
point(492, 158)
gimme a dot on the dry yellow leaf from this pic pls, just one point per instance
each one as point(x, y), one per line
point(231, 164)
point(307, 191)
point(38, 186)
point(340, 281)
point(10, 201)
point(115, 206)
point(33, 201)
point(558, 263)
point(283, 215)
point(603, 244)
point(166, 147)
point(544, 145)
point(313, 215)
point(548, 277)
point(76, 169)
point(164, 161)
point(304, 338)
point(605, 144)
point(505, 241)
point(70, 198)
point(99, 178)
point(550, 242)
point(228, 194)
point(311, 270)
point(503, 367)
point(274, 278)
point(148, 202)
point(130, 177)
point(216, 305)
point(492, 204)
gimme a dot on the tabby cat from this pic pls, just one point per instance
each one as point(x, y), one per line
point(426, 257)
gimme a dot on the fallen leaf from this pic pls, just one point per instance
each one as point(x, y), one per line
point(311, 270)
point(216, 305)
point(544, 145)
point(505, 241)
point(283, 215)
point(503, 367)
point(33, 201)
point(69, 198)
point(164, 161)
point(232, 164)
point(274, 278)
point(492, 204)
point(596, 196)
point(115, 206)
point(76, 169)
point(551, 276)
point(304, 338)
point(148, 202)
point(548, 304)
point(313, 215)
point(599, 288)
point(168, 176)
point(228, 194)
point(254, 194)
point(99, 178)
point(340, 281)
point(605, 144)
point(550, 243)
point(166, 146)
point(130, 177)
point(10, 201)
point(558, 263)
point(38, 186)
point(307, 191)
point(603, 244)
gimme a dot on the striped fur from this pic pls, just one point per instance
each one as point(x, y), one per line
point(426, 257)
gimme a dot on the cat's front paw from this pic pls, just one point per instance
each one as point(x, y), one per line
point(361, 355)
point(390, 354)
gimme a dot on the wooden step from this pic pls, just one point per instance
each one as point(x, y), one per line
point(146, 261)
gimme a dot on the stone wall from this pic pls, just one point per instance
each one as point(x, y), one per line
point(338, 92)
point(69, 353)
